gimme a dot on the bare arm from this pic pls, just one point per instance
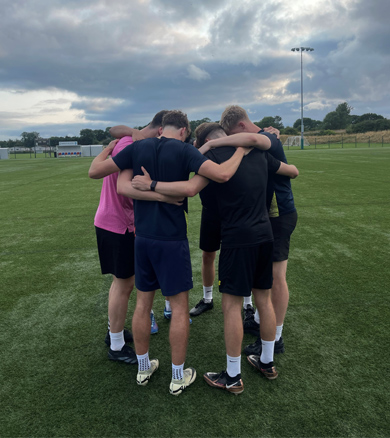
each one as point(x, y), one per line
point(120, 131)
point(203, 149)
point(243, 139)
point(222, 172)
point(125, 188)
point(177, 188)
point(288, 170)
point(100, 166)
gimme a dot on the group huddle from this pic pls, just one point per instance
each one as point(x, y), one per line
point(248, 213)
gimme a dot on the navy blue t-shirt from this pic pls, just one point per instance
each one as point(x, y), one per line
point(165, 159)
point(279, 186)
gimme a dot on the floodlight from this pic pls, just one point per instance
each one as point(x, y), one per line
point(302, 49)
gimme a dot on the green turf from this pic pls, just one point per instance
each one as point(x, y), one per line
point(339, 145)
point(56, 379)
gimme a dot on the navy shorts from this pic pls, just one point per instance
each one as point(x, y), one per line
point(245, 268)
point(210, 232)
point(162, 264)
point(116, 253)
point(282, 228)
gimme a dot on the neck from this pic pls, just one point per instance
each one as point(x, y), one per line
point(149, 132)
point(252, 128)
point(172, 133)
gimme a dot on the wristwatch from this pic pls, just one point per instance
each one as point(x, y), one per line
point(153, 185)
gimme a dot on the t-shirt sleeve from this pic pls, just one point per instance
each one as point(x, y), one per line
point(276, 149)
point(194, 158)
point(124, 159)
point(273, 164)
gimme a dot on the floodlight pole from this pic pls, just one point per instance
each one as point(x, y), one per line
point(302, 49)
point(302, 127)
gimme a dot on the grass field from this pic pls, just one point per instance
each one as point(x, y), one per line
point(333, 380)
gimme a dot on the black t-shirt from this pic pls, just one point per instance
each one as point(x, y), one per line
point(242, 200)
point(165, 159)
point(279, 186)
point(209, 202)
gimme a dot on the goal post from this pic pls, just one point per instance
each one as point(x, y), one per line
point(295, 141)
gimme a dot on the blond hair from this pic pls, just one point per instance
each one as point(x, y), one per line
point(232, 115)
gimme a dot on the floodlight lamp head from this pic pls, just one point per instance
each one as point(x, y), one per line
point(293, 50)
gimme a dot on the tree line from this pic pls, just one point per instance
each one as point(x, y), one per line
point(340, 118)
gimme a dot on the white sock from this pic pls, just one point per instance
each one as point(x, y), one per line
point(143, 362)
point(177, 371)
point(267, 351)
point(168, 306)
point(279, 329)
point(257, 317)
point(233, 365)
point(117, 341)
point(207, 293)
point(247, 300)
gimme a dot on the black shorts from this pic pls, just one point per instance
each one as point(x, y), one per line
point(116, 253)
point(283, 227)
point(241, 269)
point(210, 232)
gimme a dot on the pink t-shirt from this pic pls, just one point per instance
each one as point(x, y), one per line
point(115, 212)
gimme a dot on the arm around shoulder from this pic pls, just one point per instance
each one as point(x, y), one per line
point(120, 131)
point(288, 170)
point(243, 139)
point(222, 172)
point(100, 166)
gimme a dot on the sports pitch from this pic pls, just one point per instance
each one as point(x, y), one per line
point(56, 379)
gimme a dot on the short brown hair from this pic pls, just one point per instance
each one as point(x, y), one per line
point(177, 119)
point(157, 119)
point(204, 130)
point(232, 115)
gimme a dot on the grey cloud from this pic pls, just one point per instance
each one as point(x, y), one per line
point(187, 10)
point(133, 51)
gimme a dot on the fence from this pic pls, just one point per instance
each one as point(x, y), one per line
point(48, 152)
point(342, 141)
point(51, 152)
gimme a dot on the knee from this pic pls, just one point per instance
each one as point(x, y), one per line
point(279, 282)
point(231, 305)
point(124, 286)
point(142, 308)
point(208, 258)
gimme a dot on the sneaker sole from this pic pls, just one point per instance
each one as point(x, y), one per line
point(263, 372)
point(197, 313)
point(233, 390)
point(125, 360)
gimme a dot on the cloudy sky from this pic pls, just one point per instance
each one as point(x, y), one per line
point(75, 64)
